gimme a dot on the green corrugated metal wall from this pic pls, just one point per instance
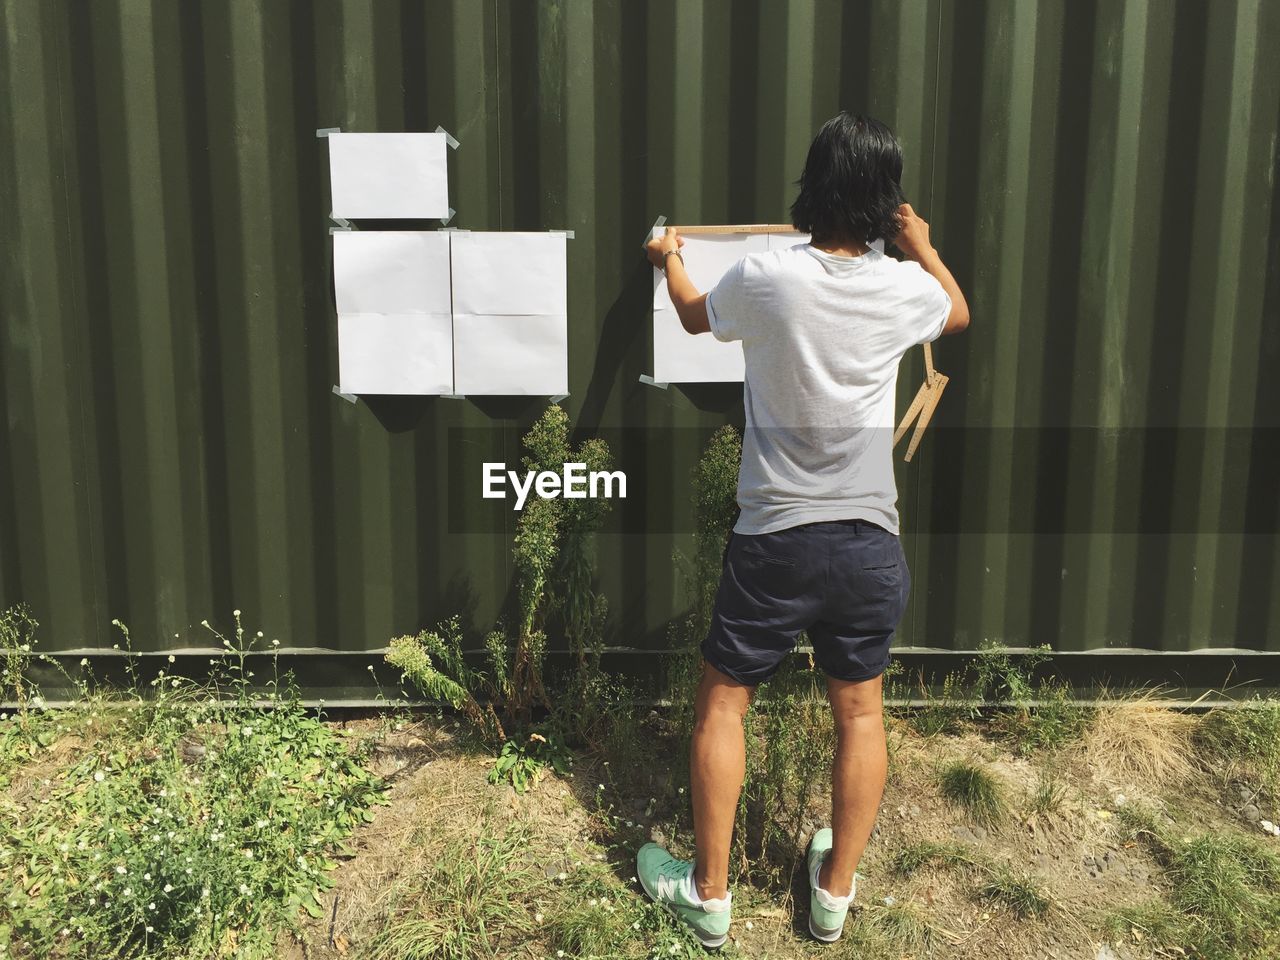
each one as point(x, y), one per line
point(1100, 175)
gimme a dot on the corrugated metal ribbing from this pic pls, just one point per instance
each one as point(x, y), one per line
point(1100, 175)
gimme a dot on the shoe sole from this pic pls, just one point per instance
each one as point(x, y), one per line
point(826, 936)
point(709, 944)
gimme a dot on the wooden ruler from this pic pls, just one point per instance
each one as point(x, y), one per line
point(922, 407)
point(736, 228)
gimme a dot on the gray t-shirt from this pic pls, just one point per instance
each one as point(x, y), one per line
point(822, 336)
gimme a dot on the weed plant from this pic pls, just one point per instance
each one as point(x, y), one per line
point(555, 563)
point(187, 825)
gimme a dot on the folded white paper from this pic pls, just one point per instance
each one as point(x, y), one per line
point(389, 175)
point(679, 357)
point(515, 274)
point(511, 355)
point(391, 272)
point(395, 353)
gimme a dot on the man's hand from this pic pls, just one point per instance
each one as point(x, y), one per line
point(913, 241)
point(913, 238)
point(657, 248)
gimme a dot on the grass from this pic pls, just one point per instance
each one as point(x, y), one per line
point(265, 808)
point(469, 902)
point(1228, 886)
point(1248, 736)
point(1153, 921)
point(946, 713)
point(173, 826)
point(1141, 740)
point(929, 853)
point(1019, 892)
point(1048, 795)
point(1224, 890)
point(902, 929)
point(974, 790)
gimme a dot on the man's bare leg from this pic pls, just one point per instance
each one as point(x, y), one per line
point(857, 777)
point(717, 765)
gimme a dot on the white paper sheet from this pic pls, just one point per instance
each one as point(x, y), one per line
point(389, 175)
point(679, 357)
point(511, 355)
point(514, 274)
point(780, 241)
point(391, 271)
point(395, 353)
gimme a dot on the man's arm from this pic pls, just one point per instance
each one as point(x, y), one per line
point(913, 241)
point(690, 305)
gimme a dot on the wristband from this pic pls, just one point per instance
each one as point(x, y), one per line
point(668, 254)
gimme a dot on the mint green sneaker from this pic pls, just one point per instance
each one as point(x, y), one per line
point(669, 881)
point(826, 913)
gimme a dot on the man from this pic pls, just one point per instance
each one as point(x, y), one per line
point(823, 327)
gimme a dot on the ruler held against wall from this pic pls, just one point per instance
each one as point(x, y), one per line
point(924, 404)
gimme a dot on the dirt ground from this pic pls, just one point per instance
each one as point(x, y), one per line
point(1075, 854)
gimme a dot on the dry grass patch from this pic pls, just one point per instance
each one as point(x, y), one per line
point(1139, 740)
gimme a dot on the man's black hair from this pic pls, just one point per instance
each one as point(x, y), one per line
point(850, 188)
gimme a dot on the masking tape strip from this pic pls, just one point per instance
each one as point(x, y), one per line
point(325, 131)
point(660, 222)
point(350, 398)
point(645, 378)
point(559, 396)
point(448, 137)
point(445, 220)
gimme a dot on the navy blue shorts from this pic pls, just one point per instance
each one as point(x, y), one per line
point(845, 582)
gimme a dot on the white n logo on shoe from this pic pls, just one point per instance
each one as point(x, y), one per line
point(668, 887)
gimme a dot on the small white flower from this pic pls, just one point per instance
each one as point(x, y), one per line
point(749, 926)
point(151, 929)
point(235, 613)
point(172, 658)
point(562, 875)
point(99, 776)
point(537, 917)
point(244, 889)
point(84, 661)
point(127, 892)
point(121, 869)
